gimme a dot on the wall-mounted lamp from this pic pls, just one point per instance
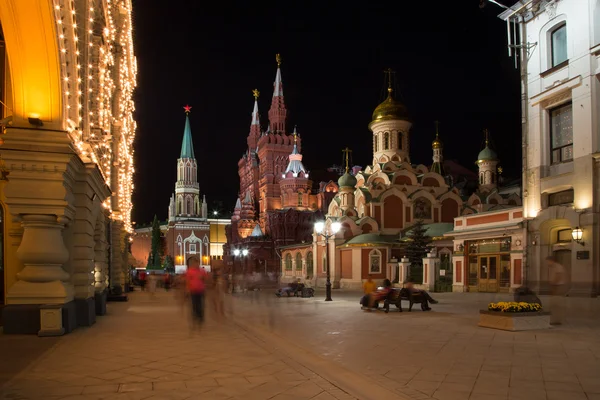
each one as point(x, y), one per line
point(577, 235)
point(36, 121)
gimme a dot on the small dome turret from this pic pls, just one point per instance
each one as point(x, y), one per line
point(347, 180)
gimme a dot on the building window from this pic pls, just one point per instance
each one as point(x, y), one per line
point(558, 41)
point(299, 199)
point(561, 133)
point(298, 262)
point(375, 262)
point(386, 141)
point(563, 236)
point(288, 262)
point(375, 147)
point(192, 248)
point(309, 265)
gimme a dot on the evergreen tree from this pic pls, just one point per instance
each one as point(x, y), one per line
point(416, 250)
point(150, 262)
point(156, 248)
point(169, 265)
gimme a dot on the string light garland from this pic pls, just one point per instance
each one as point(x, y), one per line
point(100, 69)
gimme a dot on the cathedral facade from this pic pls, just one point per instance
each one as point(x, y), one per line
point(276, 205)
point(378, 205)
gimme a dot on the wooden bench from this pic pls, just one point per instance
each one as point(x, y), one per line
point(397, 295)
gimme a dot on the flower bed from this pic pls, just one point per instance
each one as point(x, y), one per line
point(514, 307)
point(513, 316)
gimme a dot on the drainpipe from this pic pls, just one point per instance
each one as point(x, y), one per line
point(524, 142)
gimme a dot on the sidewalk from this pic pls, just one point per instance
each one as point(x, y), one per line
point(144, 350)
point(443, 354)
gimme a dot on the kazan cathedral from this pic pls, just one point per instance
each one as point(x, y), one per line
point(378, 205)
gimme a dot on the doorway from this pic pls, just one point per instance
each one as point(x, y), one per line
point(488, 273)
point(563, 257)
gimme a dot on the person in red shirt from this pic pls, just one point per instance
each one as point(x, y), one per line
point(195, 279)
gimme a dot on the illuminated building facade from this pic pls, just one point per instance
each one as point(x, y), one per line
point(188, 231)
point(559, 58)
point(276, 205)
point(68, 129)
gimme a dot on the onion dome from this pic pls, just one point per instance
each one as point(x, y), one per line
point(390, 109)
point(347, 180)
point(487, 154)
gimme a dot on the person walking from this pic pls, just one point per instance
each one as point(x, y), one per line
point(558, 280)
point(195, 278)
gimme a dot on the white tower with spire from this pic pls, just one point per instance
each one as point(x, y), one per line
point(294, 183)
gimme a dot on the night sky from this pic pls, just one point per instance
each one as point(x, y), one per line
point(450, 60)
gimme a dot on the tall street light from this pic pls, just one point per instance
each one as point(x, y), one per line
point(237, 253)
point(327, 233)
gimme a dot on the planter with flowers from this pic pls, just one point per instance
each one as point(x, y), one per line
point(513, 316)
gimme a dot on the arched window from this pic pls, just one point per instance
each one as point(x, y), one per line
point(386, 141)
point(375, 146)
point(309, 265)
point(400, 140)
point(299, 199)
point(298, 262)
point(558, 45)
point(179, 206)
point(375, 262)
point(288, 262)
point(190, 207)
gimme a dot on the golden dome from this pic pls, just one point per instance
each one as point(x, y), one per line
point(390, 109)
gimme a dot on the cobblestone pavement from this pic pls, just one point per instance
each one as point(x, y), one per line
point(145, 349)
point(442, 354)
point(293, 348)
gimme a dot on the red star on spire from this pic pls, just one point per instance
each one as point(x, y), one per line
point(187, 109)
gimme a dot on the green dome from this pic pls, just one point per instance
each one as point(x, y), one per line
point(347, 180)
point(487, 154)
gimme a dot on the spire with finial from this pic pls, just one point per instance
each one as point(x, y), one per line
point(187, 147)
point(390, 109)
point(347, 180)
point(278, 112)
point(436, 145)
point(487, 154)
point(255, 117)
point(295, 165)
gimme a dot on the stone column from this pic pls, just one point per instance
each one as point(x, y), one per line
point(117, 249)
point(429, 272)
point(403, 266)
point(100, 264)
point(39, 295)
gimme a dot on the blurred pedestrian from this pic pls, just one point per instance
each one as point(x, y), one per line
point(167, 281)
point(195, 278)
point(218, 294)
point(558, 279)
point(142, 277)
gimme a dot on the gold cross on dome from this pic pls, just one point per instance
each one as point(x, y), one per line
point(255, 93)
point(347, 152)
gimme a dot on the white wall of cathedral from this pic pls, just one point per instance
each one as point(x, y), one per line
point(391, 141)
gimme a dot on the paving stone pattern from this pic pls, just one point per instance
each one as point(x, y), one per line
point(443, 354)
point(145, 350)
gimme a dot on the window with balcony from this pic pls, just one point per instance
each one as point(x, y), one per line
point(561, 133)
point(558, 43)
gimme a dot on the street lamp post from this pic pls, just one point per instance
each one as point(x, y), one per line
point(333, 229)
point(237, 253)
